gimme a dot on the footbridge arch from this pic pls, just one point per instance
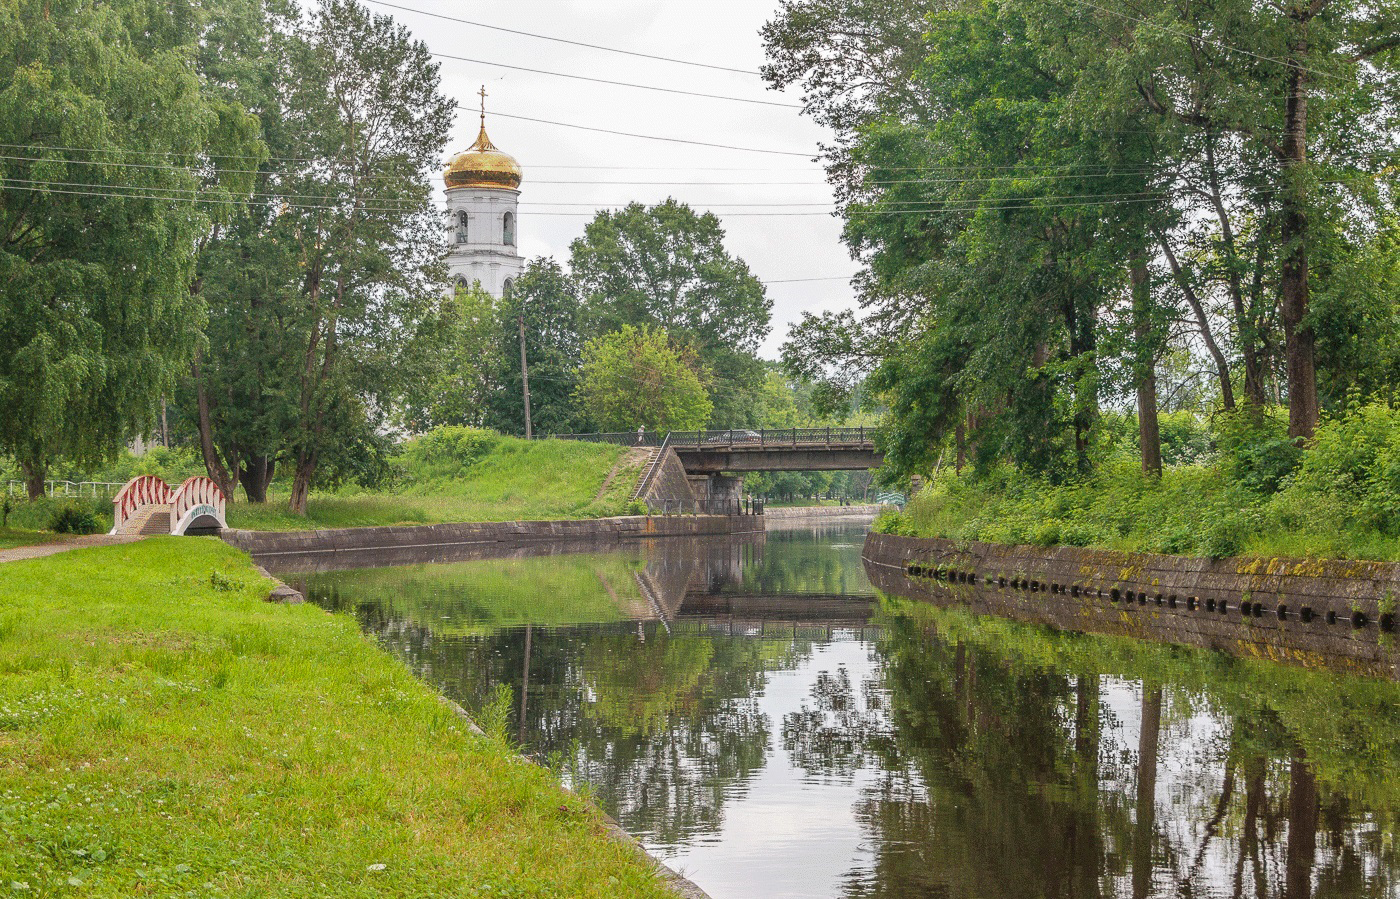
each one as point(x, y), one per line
point(148, 505)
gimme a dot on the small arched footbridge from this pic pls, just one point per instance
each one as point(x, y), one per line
point(148, 505)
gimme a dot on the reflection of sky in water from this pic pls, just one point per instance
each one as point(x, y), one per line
point(799, 829)
point(955, 770)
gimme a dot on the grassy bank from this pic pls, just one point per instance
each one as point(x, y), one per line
point(165, 732)
point(457, 474)
point(447, 475)
point(1193, 510)
point(1239, 488)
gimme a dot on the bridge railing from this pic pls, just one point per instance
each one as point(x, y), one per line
point(777, 438)
point(622, 438)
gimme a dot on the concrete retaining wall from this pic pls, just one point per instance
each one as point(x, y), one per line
point(397, 545)
point(1338, 614)
point(669, 484)
point(821, 512)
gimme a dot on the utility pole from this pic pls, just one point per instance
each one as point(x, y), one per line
point(525, 373)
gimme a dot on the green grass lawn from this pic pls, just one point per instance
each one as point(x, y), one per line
point(514, 480)
point(12, 537)
point(166, 732)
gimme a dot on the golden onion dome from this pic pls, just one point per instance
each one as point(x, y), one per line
point(483, 165)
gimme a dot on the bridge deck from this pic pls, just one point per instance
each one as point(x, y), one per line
point(783, 449)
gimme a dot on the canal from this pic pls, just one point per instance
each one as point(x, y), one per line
point(766, 724)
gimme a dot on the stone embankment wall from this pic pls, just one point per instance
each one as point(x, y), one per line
point(669, 483)
point(1337, 614)
point(821, 512)
point(435, 542)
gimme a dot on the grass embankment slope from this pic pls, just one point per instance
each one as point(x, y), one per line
point(164, 732)
point(460, 474)
point(1252, 494)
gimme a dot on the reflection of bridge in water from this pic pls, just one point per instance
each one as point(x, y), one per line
point(796, 615)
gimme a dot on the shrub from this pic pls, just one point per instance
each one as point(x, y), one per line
point(1255, 449)
point(75, 519)
point(1355, 459)
point(448, 451)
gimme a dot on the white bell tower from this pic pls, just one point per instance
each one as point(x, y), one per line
point(483, 194)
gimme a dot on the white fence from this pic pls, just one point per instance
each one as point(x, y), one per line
point(74, 489)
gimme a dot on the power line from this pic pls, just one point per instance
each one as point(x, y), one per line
point(672, 140)
point(107, 191)
point(798, 280)
point(645, 87)
point(1205, 40)
point(560, 40)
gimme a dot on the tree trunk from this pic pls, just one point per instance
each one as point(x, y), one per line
point(1145, 368)
point(1293, 287)
point(301, 483)
point(255, 475)
point(212, 463)
point(1222, 366)
point(1302, 830)
point(1145, 817)
point(34, 475)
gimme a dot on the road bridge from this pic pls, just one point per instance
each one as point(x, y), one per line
point(739, 451)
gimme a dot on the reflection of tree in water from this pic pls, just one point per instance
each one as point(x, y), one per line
point(674, 729)
point(664, 730)
point(989, 775)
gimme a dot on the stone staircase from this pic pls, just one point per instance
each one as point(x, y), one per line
point(652, 458)
point(149, 521)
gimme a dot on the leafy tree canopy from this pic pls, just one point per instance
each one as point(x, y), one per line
point(633, 377)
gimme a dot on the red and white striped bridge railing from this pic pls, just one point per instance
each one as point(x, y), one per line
point(198, 504)
point(143, 490)
point(148, 505)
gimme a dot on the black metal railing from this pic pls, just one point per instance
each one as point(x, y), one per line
point(766, 438)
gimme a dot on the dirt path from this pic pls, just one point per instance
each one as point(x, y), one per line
point(39, 550)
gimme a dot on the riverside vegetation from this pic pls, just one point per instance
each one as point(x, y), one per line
point(1238, 487)
point(164, 731)
point(448, 474)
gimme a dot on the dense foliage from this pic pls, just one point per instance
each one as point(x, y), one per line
point(1251, 492)
point(1058, 202)
point(634, 377)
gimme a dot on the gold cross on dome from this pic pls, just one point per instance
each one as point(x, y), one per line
point(483, 105)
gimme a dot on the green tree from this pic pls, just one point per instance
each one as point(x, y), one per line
point(666, 266)
point(544, 299)
point(461, 372)
point(322, 297)
point(113, 141)
point(633, 377)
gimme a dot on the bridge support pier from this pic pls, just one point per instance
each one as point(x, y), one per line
point(716, 487)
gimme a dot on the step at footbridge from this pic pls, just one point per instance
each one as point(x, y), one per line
point(147, 505)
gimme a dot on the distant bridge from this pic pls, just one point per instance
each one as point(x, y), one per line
point(739, 451)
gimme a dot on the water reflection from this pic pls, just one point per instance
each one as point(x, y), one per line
point(759, 718)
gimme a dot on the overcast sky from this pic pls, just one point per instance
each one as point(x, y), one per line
point(607, 167)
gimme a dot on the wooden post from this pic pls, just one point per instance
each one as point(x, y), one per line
point(525, 374)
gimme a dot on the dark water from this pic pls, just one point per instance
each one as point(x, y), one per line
point(765, 724)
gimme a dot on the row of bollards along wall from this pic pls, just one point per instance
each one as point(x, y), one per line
point(1336, 613)
point(1246, 608)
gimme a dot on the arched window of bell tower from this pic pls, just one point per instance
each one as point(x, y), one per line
point(509, 283)
point(508, 229)
point(461, 227)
